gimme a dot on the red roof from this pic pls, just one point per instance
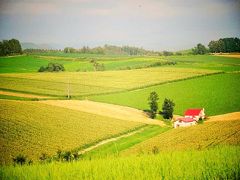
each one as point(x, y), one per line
point(186, 119)
point(192, 112)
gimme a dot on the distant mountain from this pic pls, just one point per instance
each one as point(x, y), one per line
point(30, 45)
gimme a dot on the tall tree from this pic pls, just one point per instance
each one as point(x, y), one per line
point(153, 103)
point(167, 109)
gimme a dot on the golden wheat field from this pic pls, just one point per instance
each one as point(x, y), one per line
point(89, 83)
point(32, 128)
point(192, 138)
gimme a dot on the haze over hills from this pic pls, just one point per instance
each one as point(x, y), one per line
point(31, 45)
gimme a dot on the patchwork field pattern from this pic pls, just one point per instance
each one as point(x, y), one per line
point(32, 128)
point(218, 94)
point(90, 83)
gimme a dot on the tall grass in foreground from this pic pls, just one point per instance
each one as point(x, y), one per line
point(216, 163)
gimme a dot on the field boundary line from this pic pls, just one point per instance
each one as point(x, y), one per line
point(117, 91)
point(155, 84)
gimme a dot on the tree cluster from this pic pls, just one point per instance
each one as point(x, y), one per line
point(199, 49)
point(167, 107)
point(52, 67)
point(110, 49)
point(10, 47)
point(225, 45)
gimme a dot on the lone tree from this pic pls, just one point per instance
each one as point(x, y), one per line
point(167, 109)
point(153, 98)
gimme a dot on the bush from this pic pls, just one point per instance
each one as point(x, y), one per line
point(20, 159)
point(155, 150)
point(52, 67)
point(43, 157)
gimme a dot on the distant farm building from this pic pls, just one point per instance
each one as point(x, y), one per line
point(191, 116)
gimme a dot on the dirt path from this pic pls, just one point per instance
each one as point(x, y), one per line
point(109, 140)
point(225, 117)
point(104, 109)
point(21, 95)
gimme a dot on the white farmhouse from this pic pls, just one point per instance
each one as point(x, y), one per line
point(191, 116)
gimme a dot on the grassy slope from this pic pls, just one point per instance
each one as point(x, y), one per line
point(217, 163)
point(218, 94)
point(31, 63)
point(87, 83)
point(33, 128)
point(114, 148)
point(207, 62)
point(196, 137)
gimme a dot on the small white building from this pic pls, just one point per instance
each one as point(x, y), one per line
point(191, 116)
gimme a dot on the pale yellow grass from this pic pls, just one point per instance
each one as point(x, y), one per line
point(21, 95)
point(227, 55)
point(225, 117)
point(104, 109)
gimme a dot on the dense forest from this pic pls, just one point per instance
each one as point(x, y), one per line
point(225, 45)
point(10, 47)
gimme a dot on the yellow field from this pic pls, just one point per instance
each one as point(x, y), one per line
point(32, 128)
point(87, 83)
point(104, 109)
point(196, 137)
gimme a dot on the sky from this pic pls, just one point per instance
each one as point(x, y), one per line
point(151, 24)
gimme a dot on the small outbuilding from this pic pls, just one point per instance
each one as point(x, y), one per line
point(191, 116)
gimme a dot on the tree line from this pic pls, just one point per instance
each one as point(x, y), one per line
point(223, 45)
point(10, 47)
point(110, 49)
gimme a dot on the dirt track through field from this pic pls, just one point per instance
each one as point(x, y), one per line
point(104, 109)
point(225, 117)
point(109, 140)
point(16, 94)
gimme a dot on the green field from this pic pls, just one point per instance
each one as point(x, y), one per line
point(116, 147)
point(32, 128)
point(217, 163)
point(218, 94)
point(31, 63)
point(89, 83)
point(81, 62)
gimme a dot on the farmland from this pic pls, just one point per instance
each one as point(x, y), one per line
point(32, 128)
point(31, 63)
point(197, 137)
point(217, 163)
point(90, 83)
point(207, 92)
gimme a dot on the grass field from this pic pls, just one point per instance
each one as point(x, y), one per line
point(31, 63)
point(32, 128)
point(198, 137)
point(116, 147)
point(217, 163)
point(89, 83)
point(81, 62)
point(218, 94)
